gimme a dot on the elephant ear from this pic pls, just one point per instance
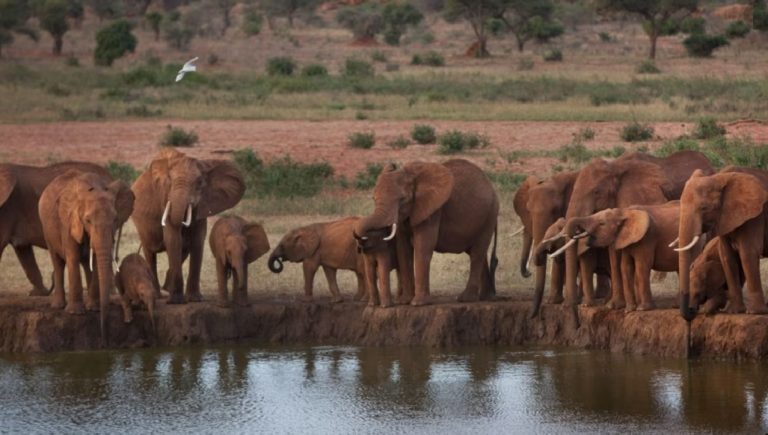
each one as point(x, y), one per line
point(520, 201)
point(433, 185)
point(225, 187)
point(123, 200)
point(256, 242)
point(633, 229)
point(7, 184)
point(307, 241)
point(743, 199)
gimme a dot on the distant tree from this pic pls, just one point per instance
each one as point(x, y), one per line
point(656, 14)
point(13, 18)
point(113, 41)
point(529, 19)
point(252, 20)
point(177, 32)
point(288, 8)
point(225, 8)
point(154, 19)
point(398, 16)
point(107, 9)
point(53, 19)
point(760, 15)
point(364, 21)
point(137, 7)
point(477, 13)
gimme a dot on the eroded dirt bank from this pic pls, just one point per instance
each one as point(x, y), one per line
point(28, 325)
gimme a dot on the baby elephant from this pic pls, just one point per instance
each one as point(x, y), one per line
point(235, 244)
point(330, 245)
point(379, 258)
point(136, 285)
point(708, 285)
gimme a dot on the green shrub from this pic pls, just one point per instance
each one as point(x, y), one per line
point(423, 134)
point(364, 21)
point(681, 143)
point(476, 140)
point(357, 68)
point(113, 41)
point(72, 61)
point(693, 25)
point(364, 140)
point(252, 21)
point(142, 111)
point(574, 152)
point(178, 137)
point(525, 64)
point(314, 70)
point(455, 141)
point(506, 181)
point(281, 66)
point(366, 179)
point(553, 55)
point(605, 36)
point(702, 45)
point(397, 17)
point(760, 16)
point(737, 29)
point(283, 177)
point(635, 132)
point(122, 171)
point(399, 142)
point(430, 58)
point(379, 56)
point(708, 128)
point(740, 152)
point(647, 67)
point(583, 135)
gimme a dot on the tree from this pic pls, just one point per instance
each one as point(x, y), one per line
point(177, 32)
point(154, 19)
point(13, 18)
point(397, 17)
point(478, 13)
point(656, 14)
point(53, 19)
point(113, 41)
point(107, 9)
point(365, 21)
point(529, 19)
point(288, 8)
point(224, 7)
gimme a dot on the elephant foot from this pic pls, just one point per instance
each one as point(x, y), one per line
point(176, 299)
point(358, 297)
point(194, 297)
point(589, 303)
point(371, 303)
point(57, 303)
point(467, 296)
point(337, 300)
point(403, 299)
point(76, 308)
point(554, 300)
point(646, 306)
point(732, 308)
point(710, 307)
point(223, 303)
point(420, 301)
point(39, 292)
point(92, 305)
point(758, 310)
point(630, 308)
point(243, 303)
point(306, 299)
point(615, 305)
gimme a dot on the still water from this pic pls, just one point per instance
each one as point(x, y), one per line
point(377, 390)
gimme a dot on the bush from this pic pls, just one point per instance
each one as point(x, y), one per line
point(647, 67)
point(605, 37)
point(379, 56)
point(142, 111)
point(357, 68)
point(574, 152)
point(430, 58)
point(364, 21)
point(397, 17)
point(737, 29)
point(399, 142)
point(455, 141)
point(681, 143)
point(283, 177)
point(252, 21)
point(584, 134)
point(760, 16)
point(178, 137)
point(525, 64)
point(506, 181)
point(72, 61)
point(176, 32)
point(693, 25)
point(366, 179)
point(281, 66)
point(423, 134)
point(708, 128)
point(553, 55)
point(314, 70)
point(113, 41)
point(122, 171)
point(635, 132)
point(364, 140)
point(702, 45)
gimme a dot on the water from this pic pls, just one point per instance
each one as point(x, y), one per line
point(377, 390)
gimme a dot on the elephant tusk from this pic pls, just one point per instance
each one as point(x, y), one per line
point(392, 234)
point(165, 213)
point(688, 246)
point(518, 232)
point(561, 250)
point(528, 263)
point(581, 235)
point(674, 242)
point(188, 221)
point(557, 236)
point(90, 258)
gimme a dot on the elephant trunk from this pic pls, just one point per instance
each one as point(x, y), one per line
point(150, 303)
point(690, 227)
point(539, 230)
point(275, 262)
point(102, 247)
point(538, 290)
point(179, 199)
point(525, 254)
point(383, 216)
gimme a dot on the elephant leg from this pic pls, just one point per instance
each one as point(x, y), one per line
point(557, 280)
point(370, 282)
point(221, 278)
point(240, 287)
point(405, 276)
point(382, 272)
point(333, 286)
point(174, 281)
point(603, 289)
point(309, 266)
point(152, 260)
point(360, 287)
point(643, 266)
point(587, 266)
point(197, 245)
point(730, 269)
point(471, 292)
point(617, 290)
point(125, 301)
point(26, 257)
point(57, 296)
point(424, 243)
point(750, 262)
point(92, 281)
point(628, 278)
point(75, 299)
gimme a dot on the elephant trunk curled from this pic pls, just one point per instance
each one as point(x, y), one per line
point(275, 262)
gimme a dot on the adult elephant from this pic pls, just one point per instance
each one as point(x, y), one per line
point(443, 207)
point(733, 204)
point(174, 198)
point(81, 212)
point(635, 179)
point(20, 190)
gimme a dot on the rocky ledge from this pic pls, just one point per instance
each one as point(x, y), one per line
point(29, 325)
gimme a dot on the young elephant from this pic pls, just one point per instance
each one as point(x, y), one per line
point(136, 285)
point(708, 283)
point(379, 257)
point(642, 234)
point(330, 245)
point(235, 244)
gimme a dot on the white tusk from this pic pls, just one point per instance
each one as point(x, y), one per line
point(90, 258)
point(674, 242)
point(688, 246)
point(528, 263)
point(518, 232)
point(165, 213)
point(581, 235)
point(188, 220)
point(392, 234)
point(561, 250)
point(559, 235)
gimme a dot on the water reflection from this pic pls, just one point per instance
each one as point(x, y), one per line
point(343, 389)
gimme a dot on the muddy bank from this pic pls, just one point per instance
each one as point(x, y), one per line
point(29, 325)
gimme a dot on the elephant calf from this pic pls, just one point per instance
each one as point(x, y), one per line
point(379, 257)
point(235, 244)
point(136, 285)
point(708, 283)
point(330, 245)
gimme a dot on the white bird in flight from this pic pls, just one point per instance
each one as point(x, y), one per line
point(188, 67)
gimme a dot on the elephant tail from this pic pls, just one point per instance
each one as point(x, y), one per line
point(494, 261)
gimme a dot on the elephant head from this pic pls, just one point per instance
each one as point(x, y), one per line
point(708, 284)
point(720, 203)
point(552, 242)
point(93, 210)
point(616, 227)
point(247, 247)
point(413, 193)
point(186, 188)
point(296, 246)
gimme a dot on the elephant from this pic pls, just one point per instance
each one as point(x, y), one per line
point(20, 226)
point(80, 213)
point(707, 280)
point(448, 207)
point(731, 204)
point(235, 244)
point(379, 257)
point(641, 235)
point(136, 285)
point(635, 179)
point(326, 244)
point(174, 198)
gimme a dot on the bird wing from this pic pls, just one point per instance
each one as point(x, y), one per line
point(189, 66)
point(180, 75)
